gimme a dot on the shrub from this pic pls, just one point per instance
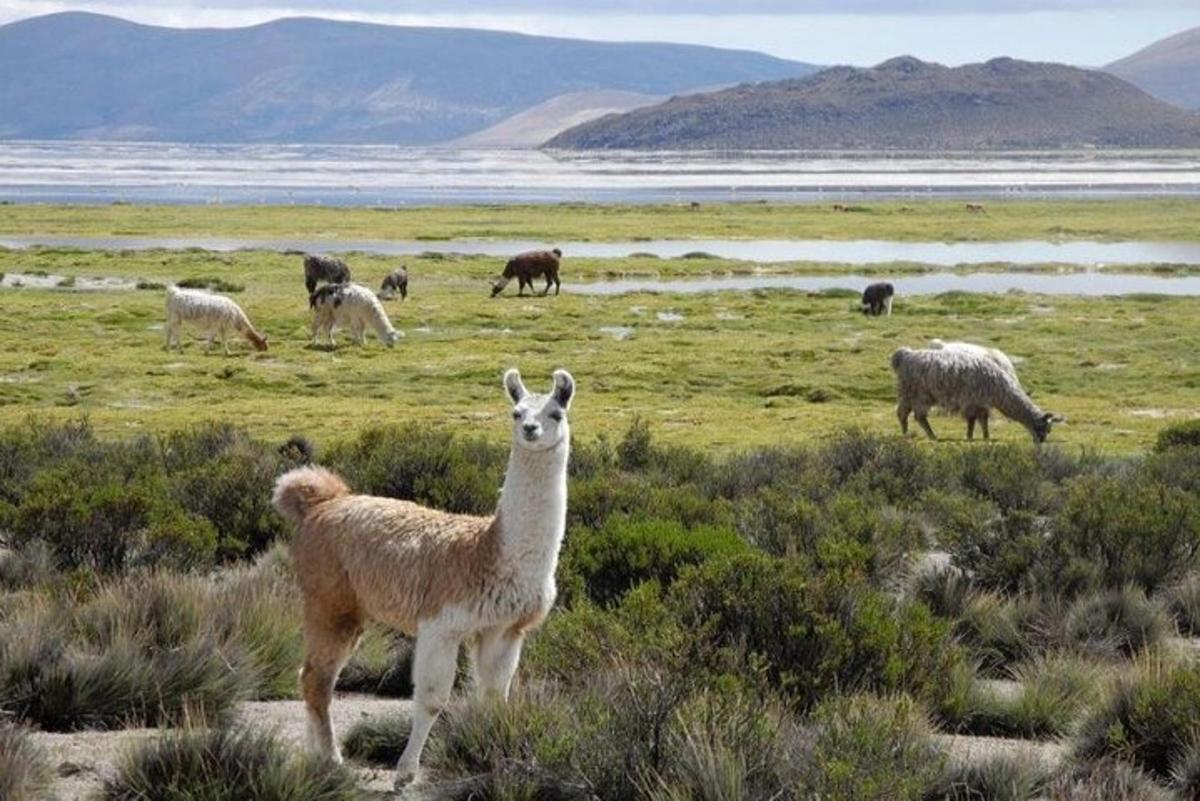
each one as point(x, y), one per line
point(1183, 600)
point(867, 748)
point(945, 589)
point(815, 634)
point(1146, 717)
point(381, 665)
point(1117, 622)
point(1113, 531)
point(1005, 777)
point(379, 741)
point(1105, 780)
point(425, 465)
point(636, 448)
point(1185, 772)
point(225, 765)
point(25, 773)
point(1008, 476)
point(628, 552)
point(1179, 435)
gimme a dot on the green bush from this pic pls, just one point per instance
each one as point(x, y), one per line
point(1179, 435)
point(380, 665)
point(1006, 777)
point(225, 765)
point(1105, 780)
point(1117, 622)
point(815, 634)
point(1183, 601)
point(625, 553)
point(25, 773)
point(209, 282)
point(1146, 718)
point(1185, 772)
point(868, 749)
point(379, 741)
point(421, 464)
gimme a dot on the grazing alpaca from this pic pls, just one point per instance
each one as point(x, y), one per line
point(444, 578)
point(396, 281)
point(877, 298)
point(324, 268)
point(350, 306)
point(962, 382)
point(527, 266)
point(215, 315)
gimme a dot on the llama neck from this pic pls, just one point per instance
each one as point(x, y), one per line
point(533, 506)
point(1019, 407)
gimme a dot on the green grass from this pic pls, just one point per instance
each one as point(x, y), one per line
point(1159, 219)
point(740, 369)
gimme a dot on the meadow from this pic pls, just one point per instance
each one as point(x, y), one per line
point(764, 592)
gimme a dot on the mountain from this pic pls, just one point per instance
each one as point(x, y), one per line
point(80, 75)
point(1169, 69)
point(909, 104)
point(531, 127)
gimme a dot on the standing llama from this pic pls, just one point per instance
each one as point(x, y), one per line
point(877, 299)
point(215, 315)
point(446, 579)
point(324, 268)
point(395, 282)
point(350, 306)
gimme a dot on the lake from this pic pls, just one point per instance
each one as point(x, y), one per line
point(374, 175)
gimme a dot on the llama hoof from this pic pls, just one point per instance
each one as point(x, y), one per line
point(404, 779)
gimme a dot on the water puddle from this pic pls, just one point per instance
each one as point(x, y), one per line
point(1087, 283)
point(65, 282)
point(863, 251)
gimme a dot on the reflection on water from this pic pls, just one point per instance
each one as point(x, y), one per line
point(1091, 284)
point(760, 250)
point(367, 175)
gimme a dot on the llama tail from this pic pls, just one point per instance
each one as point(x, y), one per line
point(298, 491)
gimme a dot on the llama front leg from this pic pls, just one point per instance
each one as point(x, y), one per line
point(497, 656)
point(902, 412)
point(922, 416)
point(434, 665)
point(983, 423)
point(224, 340)
point(328, 644)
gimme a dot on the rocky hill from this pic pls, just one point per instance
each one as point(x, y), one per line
point(1168, 69)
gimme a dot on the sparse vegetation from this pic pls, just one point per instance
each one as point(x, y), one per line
point(25, 773)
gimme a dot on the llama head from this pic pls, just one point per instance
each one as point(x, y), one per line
point(390, 338)
point(1041, 427)
point(259, 341)
point(498, 286)
point(540, 421)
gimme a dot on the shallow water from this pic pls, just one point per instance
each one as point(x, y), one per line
point(863, 251)
point(1085, 283)
point(367, 175)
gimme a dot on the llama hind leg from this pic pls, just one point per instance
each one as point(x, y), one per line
point(328, 644)
point(434, 665)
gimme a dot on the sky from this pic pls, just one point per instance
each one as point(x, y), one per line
point(860, 32)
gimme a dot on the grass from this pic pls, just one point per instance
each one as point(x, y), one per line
point(1116, 367)
point(25, 772)
point(1156, 219)
point(226, 765)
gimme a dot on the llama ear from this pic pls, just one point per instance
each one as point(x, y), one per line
point(564, 388)
point(513, 386)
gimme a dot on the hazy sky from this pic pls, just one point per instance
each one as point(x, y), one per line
point(1086, 32)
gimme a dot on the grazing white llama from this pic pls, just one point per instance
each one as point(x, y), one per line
point(350, 306)
point(215, 315)
point(444, 578)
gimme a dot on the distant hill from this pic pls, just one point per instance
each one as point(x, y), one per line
point(531, 127)
point(1169, 69)
point(909, 104)
point(78, 75)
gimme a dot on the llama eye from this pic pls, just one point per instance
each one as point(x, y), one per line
point(516, 415)
point(556, 416)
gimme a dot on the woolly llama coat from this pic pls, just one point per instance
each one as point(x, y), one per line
point(324, 268)
point(215, 315)
point(350, 306)
point(995, 354)
point(961, 382)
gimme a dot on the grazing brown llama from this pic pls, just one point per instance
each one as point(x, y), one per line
point(527, 266)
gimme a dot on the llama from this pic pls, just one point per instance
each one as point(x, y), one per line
point(527, 266)
point(324, 268)
point(396, 281)
point(215, 315)
point(976, 208)
point(963, 382)
point(350, 306)
point(877, 298)
point(444, 578)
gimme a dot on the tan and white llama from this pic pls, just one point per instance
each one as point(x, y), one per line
point(446, 579)
point(214, 315)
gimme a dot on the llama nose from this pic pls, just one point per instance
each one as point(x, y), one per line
point(530, 428)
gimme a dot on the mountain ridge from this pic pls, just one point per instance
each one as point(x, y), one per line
point(1169, 69)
